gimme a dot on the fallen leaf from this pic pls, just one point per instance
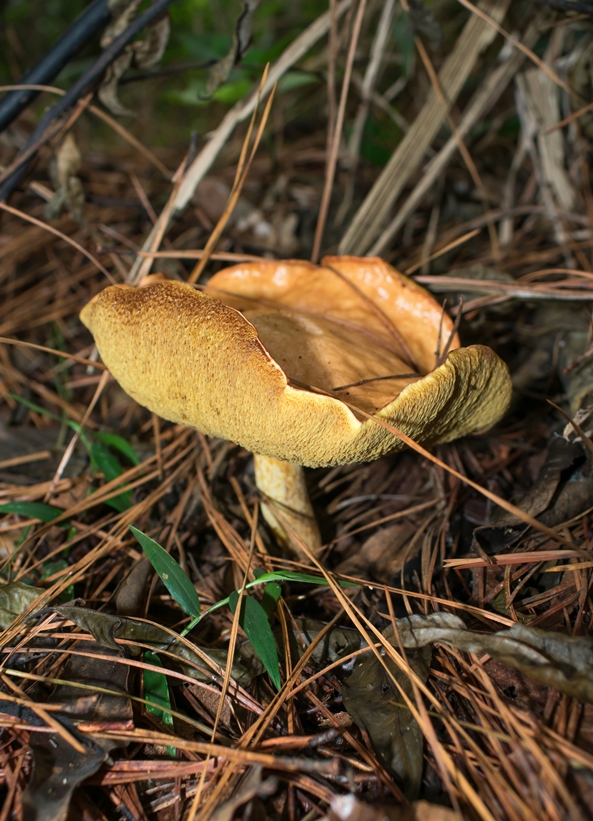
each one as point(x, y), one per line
point(219, 73)
point(555, 659)
point(377, 705)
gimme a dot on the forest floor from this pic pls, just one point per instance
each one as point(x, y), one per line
point(452, 676)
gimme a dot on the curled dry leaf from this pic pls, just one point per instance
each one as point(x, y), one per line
point(64, 173)
point(106, 629)
point(559, 661)
point(142, 54)
point(220, 72)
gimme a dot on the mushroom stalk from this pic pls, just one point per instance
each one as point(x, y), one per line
point(287, 508)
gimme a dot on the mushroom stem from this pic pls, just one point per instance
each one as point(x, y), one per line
point(288, 509)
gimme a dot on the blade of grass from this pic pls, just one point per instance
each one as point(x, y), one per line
point(254, 621)
point(170, 573)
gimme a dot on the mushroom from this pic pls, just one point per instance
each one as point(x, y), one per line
point(288, 359)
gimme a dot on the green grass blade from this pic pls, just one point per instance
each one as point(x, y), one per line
point(171, 574)
point(33, 510)
point(254, 621)
point(269, 600)
point(108, 464)
point(295, 576)
point(156, 690)
point(112, 440)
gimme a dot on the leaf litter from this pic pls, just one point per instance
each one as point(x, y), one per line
point(453, 677)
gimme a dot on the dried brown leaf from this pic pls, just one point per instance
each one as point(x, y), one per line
point(559, 661)
point(376, 704)
point(64, 172)
point(220, 72)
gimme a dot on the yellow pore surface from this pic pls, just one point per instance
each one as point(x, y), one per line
point(235, 362)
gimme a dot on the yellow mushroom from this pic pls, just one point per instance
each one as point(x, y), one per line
point(235, 361)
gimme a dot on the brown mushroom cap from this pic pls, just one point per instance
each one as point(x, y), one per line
point(191, 358)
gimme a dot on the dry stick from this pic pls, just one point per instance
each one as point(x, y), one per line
point(333, 154)
point(476, 35)
point(241, 111)
point(5, 341)
point(443, 250)
point(508, 290)
point(331, 76)
point(483, 100)
point(51, 133)
point(226, 256)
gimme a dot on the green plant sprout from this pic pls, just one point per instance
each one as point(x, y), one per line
point(254, 615)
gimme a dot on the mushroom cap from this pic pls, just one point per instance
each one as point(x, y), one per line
point(193, 358)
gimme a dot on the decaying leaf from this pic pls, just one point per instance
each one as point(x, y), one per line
point(130, 595)
point(64, 173)
point(220, 72)
point(384, 554)
point(336, 642)
point(58, 766)
point(142, 54)
point(105, 629)
point(15, 597)
point(559, 661)
point(376, 704)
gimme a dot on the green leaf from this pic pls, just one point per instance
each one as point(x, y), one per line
point(171, 574)
point(106, 463)
point(263, 577)
point(269, 600)
point(33, 510)
point(112, 440)
point(254, 621)
point(156, 690)
point(32, 406)
point(49, 568)
point(294, 576)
